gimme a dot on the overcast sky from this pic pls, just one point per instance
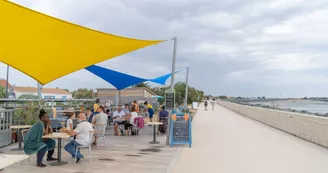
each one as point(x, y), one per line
point(233, 47)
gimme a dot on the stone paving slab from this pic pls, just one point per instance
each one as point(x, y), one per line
point(120, 154)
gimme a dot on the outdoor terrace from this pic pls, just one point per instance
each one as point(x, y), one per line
point(119, 154)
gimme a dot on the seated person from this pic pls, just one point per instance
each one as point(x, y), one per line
point(135, 104)
point(82, 136)
point(126, 109)
point(69, 123)
point(89, 114)
point(130, 120)
point(33, 142)
point(163, 113)
point(163, 117)
point(119, 117)
point(108, 112)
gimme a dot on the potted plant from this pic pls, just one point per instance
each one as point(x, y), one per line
point(25, 115)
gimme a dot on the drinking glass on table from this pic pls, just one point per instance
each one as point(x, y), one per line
point(63, 124)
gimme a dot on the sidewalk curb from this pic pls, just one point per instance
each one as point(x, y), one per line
point(178, 152)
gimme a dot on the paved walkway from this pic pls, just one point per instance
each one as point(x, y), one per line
point(225, 142)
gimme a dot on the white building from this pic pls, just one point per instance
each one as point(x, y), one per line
point(10, 88)
point(46, 93)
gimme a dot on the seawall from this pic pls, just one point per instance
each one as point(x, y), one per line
point(307, 127)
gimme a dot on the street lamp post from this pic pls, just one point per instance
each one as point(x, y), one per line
point(7, 82)
point(175, 39)
point(186, 96)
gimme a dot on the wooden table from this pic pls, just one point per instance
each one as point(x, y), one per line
point(19, 135)
point(154, 124)
point(59, 137)
point(7, 160)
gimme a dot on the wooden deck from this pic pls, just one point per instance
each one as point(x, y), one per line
point(119, 154)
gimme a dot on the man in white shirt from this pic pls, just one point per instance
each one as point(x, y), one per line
point(118, 117)
point(82, 133)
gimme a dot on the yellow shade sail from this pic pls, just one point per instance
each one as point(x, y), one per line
point(47, 48)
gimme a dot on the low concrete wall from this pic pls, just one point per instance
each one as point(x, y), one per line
point(307, 127)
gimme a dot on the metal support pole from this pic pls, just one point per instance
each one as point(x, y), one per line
point(39, 91)
point(116, 99)
point(175, 39)
point(175, 44)
point(119, 97)
point(39, 94)
point(7, 85)
point(186, 96)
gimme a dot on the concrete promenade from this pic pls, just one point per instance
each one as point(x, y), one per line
point(225, 142)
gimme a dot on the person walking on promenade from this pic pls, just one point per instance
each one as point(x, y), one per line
point(213, 104)
point(205, 104)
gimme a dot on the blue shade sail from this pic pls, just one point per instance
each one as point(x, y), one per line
point(162, 79)
point(121, 80)
point(117, 79)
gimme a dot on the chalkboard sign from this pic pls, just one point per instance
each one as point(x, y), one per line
point(169, 101)
point(180, 129)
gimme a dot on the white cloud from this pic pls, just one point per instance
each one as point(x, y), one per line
point(218, 20)
point(279, 44)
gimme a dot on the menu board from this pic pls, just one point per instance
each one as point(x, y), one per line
point(180, 129)
point(169, 100)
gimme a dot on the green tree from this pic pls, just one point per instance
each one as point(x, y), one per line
point(160, 91)
point(143, 84)
point(2, 92)
point(180, 91)
point(83, 93)
point(28, 96)
point(28, 113)
point(223, 97)
point(193, 94)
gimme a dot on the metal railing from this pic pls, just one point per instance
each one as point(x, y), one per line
point(6, 117)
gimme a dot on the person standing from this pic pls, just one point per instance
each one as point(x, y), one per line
point(213, 104)
point(96, 105)
point(33, 142)
point(205, 104)
point(150, 110)
point(100, 122)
